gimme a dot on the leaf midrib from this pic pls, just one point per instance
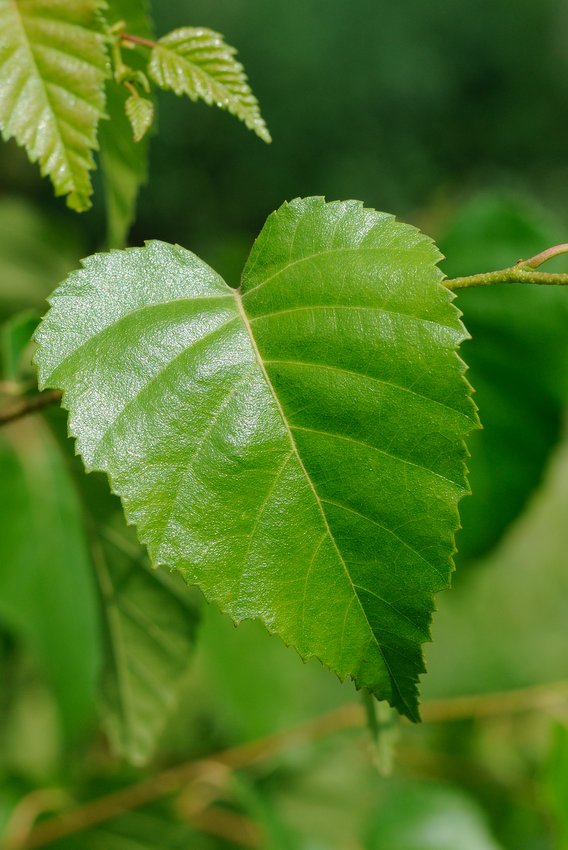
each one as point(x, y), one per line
point(258, 356)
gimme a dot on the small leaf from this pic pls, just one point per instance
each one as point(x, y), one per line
point(294, 447)
point(198, 63)
point(140, 113)
point(124, 162)
point(53, 65)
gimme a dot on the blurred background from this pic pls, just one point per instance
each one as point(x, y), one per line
point(453, 116)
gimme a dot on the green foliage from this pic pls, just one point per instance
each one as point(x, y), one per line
point(518, 362)
point(55, 80)
point(53, 65)
point(47, 592)
point(556, 784)
point(198, 63)
point(255, 435)
point(150, 623)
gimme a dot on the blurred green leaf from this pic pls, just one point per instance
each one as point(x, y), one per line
point(47, 593)
point(518, 362)
point(124, 162)
point(53, 65)
point(198, 63)
point(142, 830)
point(556, 784)
point(150, 623)
point(16, 345)
point(255, 437)
point(36, 251)
point(428, 817)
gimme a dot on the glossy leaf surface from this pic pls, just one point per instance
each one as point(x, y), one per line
point(294, 447)
point(196, 62)
point(53, 66)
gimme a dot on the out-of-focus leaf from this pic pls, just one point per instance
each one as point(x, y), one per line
point(47, 593)
point(150, 631)
point(295, 448)
point(142, 830)
point(53, 65)
point(36, 251)
point(198, 63)
point(556, 785)
point(518, 360)
point(428, 817)
point(16, 345)
point(124, 161)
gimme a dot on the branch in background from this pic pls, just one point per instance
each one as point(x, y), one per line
point(522, 272)
point(29, 405)
point(552, 696)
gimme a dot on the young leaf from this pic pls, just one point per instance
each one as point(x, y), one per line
point(198, 63)
point(140, 113)
point(47, 592)
point(294, 447)
point(124, 162)
point(150, 623)
point(53, 66)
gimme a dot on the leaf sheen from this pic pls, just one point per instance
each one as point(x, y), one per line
point(197, 62)
point(295, 447)
point(53, 65)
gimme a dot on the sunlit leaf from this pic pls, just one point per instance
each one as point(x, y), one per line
point(294, 447)
point(198, 63)
point(140, 113)
point(53, 66)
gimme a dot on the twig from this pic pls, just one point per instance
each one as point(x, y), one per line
point(522, 272)
point(29, 405)
point(540, 697)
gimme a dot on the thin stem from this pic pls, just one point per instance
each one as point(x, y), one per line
point(138, 39)
point(522, 272)
point(516, 274)
point(548, 697)
point(544, 256)
point(29, 405)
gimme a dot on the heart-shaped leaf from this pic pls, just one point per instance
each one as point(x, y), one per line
point(294, 447)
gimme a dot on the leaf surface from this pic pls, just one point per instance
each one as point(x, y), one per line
point(53, 66)
point(150, 627)
point(197, 62)
point(294, 447)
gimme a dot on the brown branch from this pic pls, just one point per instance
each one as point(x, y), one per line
point(540, 697)
point(138, 39)
point(29, 405)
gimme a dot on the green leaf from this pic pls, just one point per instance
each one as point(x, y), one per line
point(518, 360)
point(150, 623)
point(555, 785)
point(16, 345)
point(198, 63)
point(294, 447)
point(140, 113)
point(124, 162)
point(47, 593)
point(141, 830)
point(53, 65)
point(428, 817)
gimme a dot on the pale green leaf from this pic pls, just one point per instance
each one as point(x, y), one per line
point(294, 447)
point(198, 63)
point(140, 113)
point(47, 592)
point(124, 162)
point(53, 66)
point(150, 628)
